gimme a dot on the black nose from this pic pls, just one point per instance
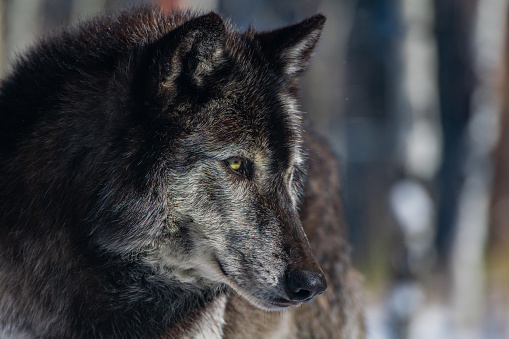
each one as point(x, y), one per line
point(303, 286)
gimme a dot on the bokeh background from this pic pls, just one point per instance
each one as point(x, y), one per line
point(413, 97)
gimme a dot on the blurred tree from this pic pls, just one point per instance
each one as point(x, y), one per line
point(371, 127)
point(54, 13)
point(453, 29)
point(499, 233)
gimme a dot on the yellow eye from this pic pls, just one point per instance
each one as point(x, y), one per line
point(241, 166)
point(235, 163)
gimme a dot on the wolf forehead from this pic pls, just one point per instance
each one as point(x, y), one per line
point(252, 123)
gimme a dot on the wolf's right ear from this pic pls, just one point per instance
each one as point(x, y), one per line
point(187, 53)
point(290, 48)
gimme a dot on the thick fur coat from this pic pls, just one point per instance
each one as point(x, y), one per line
point(152, 170)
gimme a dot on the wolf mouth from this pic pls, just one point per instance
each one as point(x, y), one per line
point(283, 303)
point(270, 304)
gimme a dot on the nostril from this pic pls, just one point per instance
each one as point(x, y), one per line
point(301, 294)
point(303, 285)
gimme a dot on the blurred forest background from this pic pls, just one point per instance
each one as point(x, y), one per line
point(412, 96)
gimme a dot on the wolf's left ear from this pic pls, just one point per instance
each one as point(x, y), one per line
point(188, 53)
point(290, 47)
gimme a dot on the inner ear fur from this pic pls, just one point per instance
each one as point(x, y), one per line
point(192, 50)
point(290, 48)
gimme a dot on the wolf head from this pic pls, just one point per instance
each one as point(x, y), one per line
point(233, 189)
point(220, 107)
point(182, 149)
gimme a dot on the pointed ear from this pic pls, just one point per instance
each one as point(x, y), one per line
point(192, 50)
point(290, 47)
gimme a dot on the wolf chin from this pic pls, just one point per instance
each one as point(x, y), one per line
point(153, 185)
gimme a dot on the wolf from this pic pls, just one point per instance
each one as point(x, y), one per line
point(153, 184)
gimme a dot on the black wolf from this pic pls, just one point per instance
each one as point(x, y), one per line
point(151, 168)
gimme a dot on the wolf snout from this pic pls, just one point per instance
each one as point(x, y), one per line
point(303, 286)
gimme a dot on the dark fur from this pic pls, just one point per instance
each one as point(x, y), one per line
point(99, 127)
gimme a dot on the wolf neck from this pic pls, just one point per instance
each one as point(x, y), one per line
point(109, 297)
point(209, 324)
point(167, 306)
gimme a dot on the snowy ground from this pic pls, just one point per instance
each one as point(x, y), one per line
point(435, 320)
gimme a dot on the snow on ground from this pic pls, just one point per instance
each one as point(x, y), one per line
point(435, 320)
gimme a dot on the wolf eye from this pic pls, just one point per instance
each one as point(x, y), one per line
point(235, 163)
point(240, 166)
